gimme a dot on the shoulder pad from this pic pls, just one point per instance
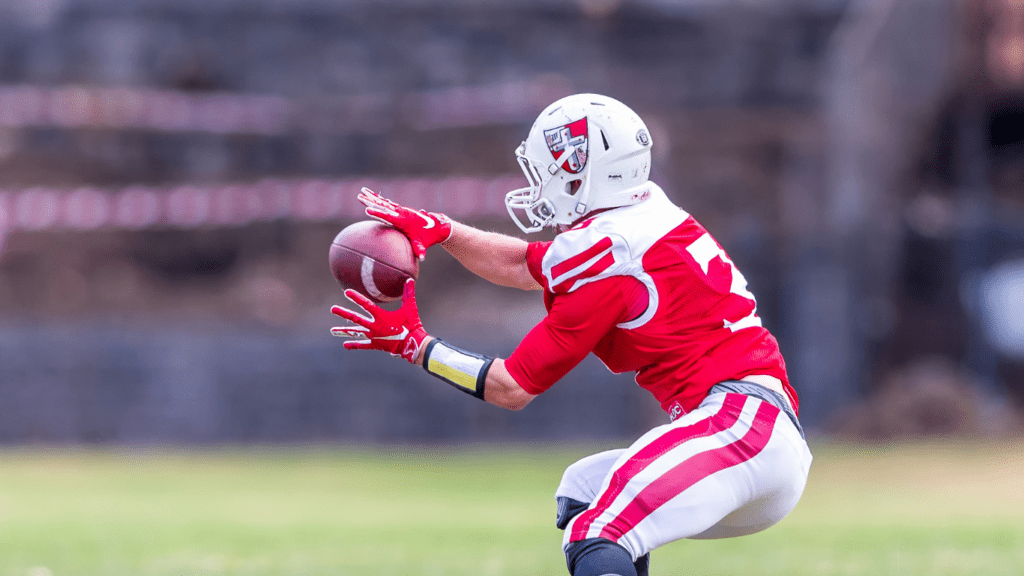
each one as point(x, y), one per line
point(611, 244)
point(582, 255)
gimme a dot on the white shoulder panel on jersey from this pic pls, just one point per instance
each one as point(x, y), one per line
point(613, 244)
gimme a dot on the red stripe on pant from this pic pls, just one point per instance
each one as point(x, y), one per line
point(693, 470)
point(728, 414)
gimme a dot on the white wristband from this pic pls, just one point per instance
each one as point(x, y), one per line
point(464, 370)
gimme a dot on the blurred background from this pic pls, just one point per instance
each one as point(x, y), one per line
point(172, 173)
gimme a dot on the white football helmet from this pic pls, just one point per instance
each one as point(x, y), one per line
point(585, 152)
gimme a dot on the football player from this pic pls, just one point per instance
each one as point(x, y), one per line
point(639, 282)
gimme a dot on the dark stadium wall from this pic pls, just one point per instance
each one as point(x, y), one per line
point(184, 101)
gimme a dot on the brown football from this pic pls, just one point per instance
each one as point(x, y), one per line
point(373, 259)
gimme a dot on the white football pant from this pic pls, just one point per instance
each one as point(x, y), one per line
point(734, 466)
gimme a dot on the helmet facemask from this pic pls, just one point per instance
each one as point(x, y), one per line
point(552, 190)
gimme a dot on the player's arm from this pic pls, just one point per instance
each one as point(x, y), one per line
point(575, 324)
point(483, 377)
point(400, 333)
point(497, 258)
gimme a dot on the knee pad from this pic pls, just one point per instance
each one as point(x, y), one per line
point(568, 508)
point(598, 557)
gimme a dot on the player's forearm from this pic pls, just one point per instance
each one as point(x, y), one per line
point(496, 386)
point(497, 258)
point(502, 390)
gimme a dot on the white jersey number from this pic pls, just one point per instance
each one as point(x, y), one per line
point(704, 250)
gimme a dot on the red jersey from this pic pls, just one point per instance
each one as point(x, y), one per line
point(648, 290)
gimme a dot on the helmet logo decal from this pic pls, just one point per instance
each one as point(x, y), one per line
point(569, 145)
point(642, 137)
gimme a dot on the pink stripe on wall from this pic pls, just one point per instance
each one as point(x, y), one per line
point(43, 208)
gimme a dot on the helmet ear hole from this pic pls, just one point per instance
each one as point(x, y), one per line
point(571, 188)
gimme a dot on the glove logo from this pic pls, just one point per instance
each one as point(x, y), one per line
point(400, 336)
point(411, 350)
point(427, 219)
point(569, 145)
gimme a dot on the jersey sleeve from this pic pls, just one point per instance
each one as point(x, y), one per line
point(576, 322)
point(535, 252)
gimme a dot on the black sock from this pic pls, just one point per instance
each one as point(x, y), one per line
point(567, 510)
point(598, 557)
point(643, 565)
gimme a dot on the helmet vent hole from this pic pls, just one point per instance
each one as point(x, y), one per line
point(605, 140)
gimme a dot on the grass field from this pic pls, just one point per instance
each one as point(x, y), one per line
point(925, 509)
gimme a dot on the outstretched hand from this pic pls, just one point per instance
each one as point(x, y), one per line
point(424, 229)
point(399, 332)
